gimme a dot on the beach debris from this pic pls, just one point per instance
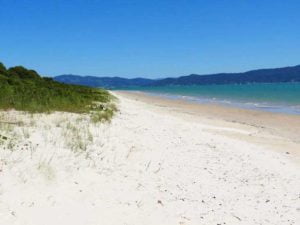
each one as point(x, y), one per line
point(139, 203)
point(156, 171)
point(160, 202)
point(3, 137)
point(132, 149)
point(148, 165)
point(236, 217)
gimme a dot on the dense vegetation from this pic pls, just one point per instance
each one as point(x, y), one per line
point(279, 75)
point(26, 90)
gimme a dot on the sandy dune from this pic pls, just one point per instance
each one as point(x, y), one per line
point(152, 165)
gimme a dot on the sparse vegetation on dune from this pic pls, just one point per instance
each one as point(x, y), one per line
point(26, 90)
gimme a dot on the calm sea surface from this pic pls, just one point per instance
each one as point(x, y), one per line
point(275, 97)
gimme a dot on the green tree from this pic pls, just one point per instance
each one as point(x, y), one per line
point(3, 70)
point(23, 73)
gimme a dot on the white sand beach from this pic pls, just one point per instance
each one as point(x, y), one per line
point(157, 162)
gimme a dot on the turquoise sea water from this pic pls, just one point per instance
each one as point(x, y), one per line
point(275, 97)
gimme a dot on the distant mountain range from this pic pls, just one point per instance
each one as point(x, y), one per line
point(105, 82)
point(286, 74)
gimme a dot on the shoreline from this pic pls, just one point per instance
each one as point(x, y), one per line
point(283, 128)
point(278, 108)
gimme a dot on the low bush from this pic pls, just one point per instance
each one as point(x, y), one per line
point(26, 90)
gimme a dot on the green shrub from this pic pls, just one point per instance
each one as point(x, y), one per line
point(25, 90)
point(3, 69)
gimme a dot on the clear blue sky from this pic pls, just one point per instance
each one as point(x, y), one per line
point(150, 38)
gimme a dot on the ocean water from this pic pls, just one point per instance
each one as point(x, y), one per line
point(274, 97)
